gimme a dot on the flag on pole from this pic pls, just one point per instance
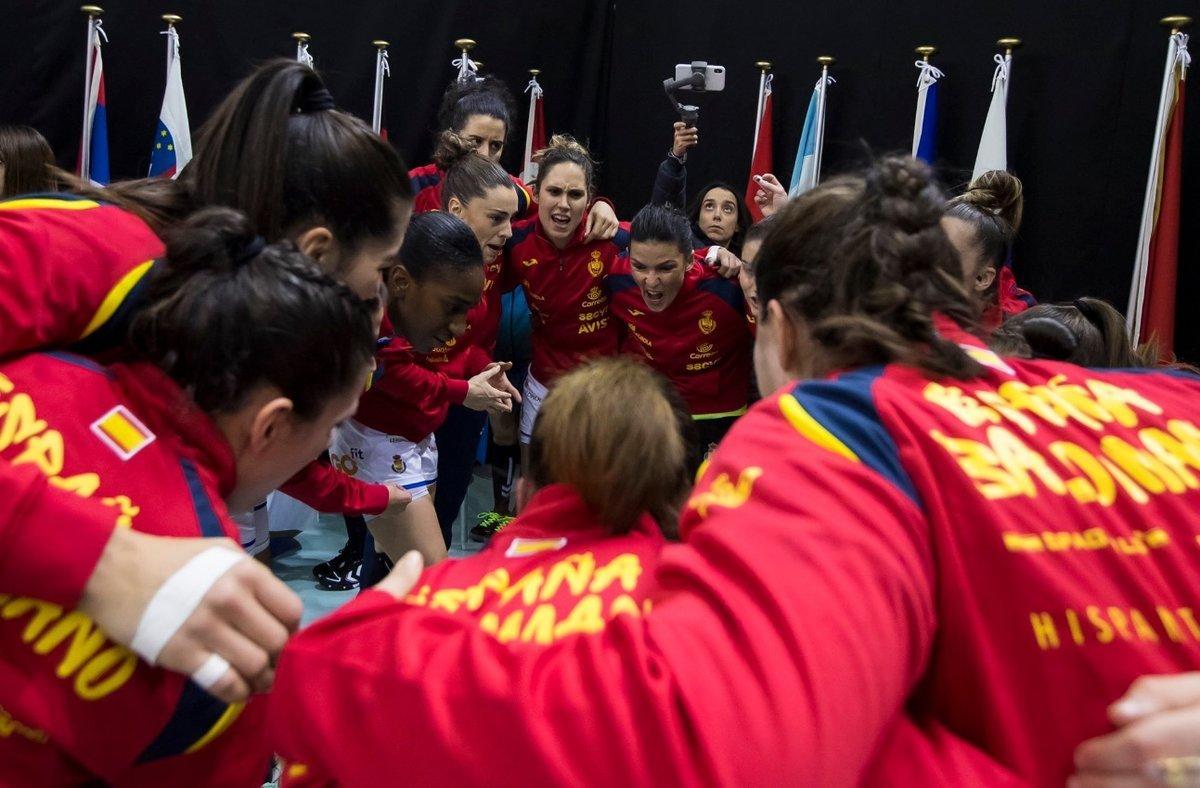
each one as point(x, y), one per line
point(468, 69)
point(1152, 296)
point(382, 70)
point(806, 172)
point(93, 148)
point(924, 145)
point(173, 136)
point(993, 143)
point(535, 128)
point(762, 156)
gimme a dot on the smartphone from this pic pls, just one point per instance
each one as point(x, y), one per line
point(714, 76)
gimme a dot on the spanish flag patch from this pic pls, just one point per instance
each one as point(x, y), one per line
point(525, 547)
point(121, 431)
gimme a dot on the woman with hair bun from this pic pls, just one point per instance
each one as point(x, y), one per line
point(981, 223)
point(437, 280)
point(1088, 332)
point(207, 414)
point(584, 556)
point(911, 530)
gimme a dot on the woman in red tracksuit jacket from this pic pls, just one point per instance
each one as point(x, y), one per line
point(88, 308)
point(562, 273)
point(575, 558)
point(995, 548)
point(437, 280)
point(685, 319)
point(210, 410)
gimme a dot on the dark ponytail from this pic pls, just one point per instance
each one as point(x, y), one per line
point(1088, 332)
point(665, 224)
point(486, 96)
point(862, 259)
point(437, 242)
point(468, 175)
point(227, 313)
point(277, 149)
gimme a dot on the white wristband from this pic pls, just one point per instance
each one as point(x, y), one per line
point(175, 601)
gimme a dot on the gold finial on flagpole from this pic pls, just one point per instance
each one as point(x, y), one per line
point(826, 60)
point(92, 10)
point(465, 44)
point(172, 19)
point(379, 43)
point(533, 72)
point(1009, 44)
point(763, 65)
point(1176, 23)
point(926, 52)
point(302, 38)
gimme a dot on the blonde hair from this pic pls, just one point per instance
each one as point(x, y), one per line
point(618, 433)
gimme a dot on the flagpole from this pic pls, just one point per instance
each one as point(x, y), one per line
point(85, 153)
point(826, 61)
point(302, 55)
point(1008, 44)
point(467, 68)
point(925, 81)
point(535, 91)
point(171, 20)
point(1137, 293)
point(763, 66)
point(381, 70)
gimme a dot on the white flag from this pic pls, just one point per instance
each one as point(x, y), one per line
point(993, 144)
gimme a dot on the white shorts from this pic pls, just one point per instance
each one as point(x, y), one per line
point(379, 458)
point(254, 528)
point(531, 402)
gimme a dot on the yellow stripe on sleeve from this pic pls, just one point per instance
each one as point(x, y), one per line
point(113, 300)
point(812, 429)
point(232, 712)
point(32, 203)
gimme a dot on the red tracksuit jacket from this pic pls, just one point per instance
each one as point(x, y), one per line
point(83, 708)
point(552, 572)
point(701, 342)
point(1040, 520)
point(50, 298)
point(565, 291)
point(406, 397)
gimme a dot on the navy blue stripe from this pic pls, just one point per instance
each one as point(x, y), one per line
point(521, 233)
point(422, 182)
point(618, 282)
point(846, 407)
point(113, 332)
point(210, 525)
point(79, 361)
point(621, 239)
point(727, 290)
point(195, 714)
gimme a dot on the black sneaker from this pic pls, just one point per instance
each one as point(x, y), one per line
point(489, 524)
point(342, 572)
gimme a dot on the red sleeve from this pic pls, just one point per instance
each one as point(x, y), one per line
point(327, 489)
point(409, 399)
point(49, 298)
point(929, 754)
point(50, 539)
point(787, 632)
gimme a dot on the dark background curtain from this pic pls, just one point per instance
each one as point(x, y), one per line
point(1080, 117)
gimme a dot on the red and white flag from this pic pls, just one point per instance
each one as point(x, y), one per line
point(535, 130)
point(1151, 312)
point(762, 158)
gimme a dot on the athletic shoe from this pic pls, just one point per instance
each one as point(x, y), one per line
point(489, 524)
point(342, 572)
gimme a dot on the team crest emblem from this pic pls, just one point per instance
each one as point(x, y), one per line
point(121, 431)
point(594, 293)
point(398, 463)
point(704, 347)
point(707, 323)
point(595, 265)
point(530, 263)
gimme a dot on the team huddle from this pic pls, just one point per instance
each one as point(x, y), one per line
point(824, 497)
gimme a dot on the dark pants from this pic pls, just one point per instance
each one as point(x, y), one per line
point(457, 445)
point(710, 432)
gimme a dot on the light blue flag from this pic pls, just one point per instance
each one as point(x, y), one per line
point(804, 172)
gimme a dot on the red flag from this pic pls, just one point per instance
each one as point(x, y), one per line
point(763, 160)
point(1158, 314)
